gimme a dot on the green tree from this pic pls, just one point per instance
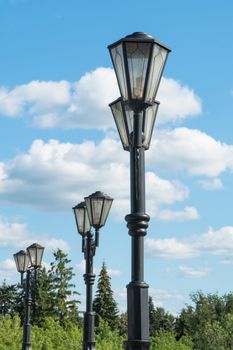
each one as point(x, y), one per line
point(63, 305)
point(167, 341)
point(152, 316)
point(8, 299)
point(159, 319)
point(42, 297)
point(104, 304)
point(122, 323)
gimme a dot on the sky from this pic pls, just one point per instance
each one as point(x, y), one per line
point(58, 141)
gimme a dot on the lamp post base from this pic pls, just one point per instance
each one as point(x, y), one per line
point(89, 346)
point(137, 345)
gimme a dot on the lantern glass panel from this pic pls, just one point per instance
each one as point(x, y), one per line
point(106, 208)
point(137, 58)
point(94, 207)
point(82, 219)
point(130, 121)
point(98, 208)
point(35, 252)
point(148, 124)
point(21, 260)
point(119, 65)
point(158, 61)
point(118, 114)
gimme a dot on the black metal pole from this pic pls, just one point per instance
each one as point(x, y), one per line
point(27, 326)
point(137, 222)
point(89, 277)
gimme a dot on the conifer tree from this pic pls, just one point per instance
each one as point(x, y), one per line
point(8, 299)
point(63, 306)
point(104, 304)
point(159, 319)
point(42, 296)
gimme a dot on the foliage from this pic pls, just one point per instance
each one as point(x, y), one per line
point(206, 324)
point(10, 333)
point(61, 292)
point(209, 322)
point(107, 339)
point(167, 341)
point(8, 299)
point(42, 297)
point(53, 294)
point(104, 304)
point(122, 323)
point(159, 319)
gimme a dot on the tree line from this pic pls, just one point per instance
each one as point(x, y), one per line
point(205, 324)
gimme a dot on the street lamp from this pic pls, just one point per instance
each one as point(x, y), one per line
point(33, 255)
point(138, 61)
point(91, 213)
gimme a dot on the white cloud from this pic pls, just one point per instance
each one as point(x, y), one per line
point(114, 272)
point(8, 264)
point(193, 272)
point(34, 97)
point(55, 176)
point(17, 235)
point(219, 242)
point(81, 266)
point(227, 261)
point(120, 293)
point(168, 299)
point(165, 191)
point(84, 104)
point(190, 150)
point(211, 184)
point(215, 242)
point(7, 269)
point(189, 213)
point(177, 102)
point(169, 248)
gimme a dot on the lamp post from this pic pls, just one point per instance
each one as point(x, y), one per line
point(91, 213)
point(138, 61)
point(32, 256)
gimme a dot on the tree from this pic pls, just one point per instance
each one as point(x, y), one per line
point(8, 299)
point(123, 323)
point(159, 319)
point(42, 297)
point(152, 316)
point(104, 304)
point(63, 306)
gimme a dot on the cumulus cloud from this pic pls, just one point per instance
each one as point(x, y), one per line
point(34, 97)
point(211, 184)
point(177, 102)
point(192, 151)
point(169, 248)
point(8, 264)
point(193, 272)
point(55, 176)
point(227, 261)
point(84, 104)
point(189, 213)
point(214, 242)
point(17, 235)
point(171, 299)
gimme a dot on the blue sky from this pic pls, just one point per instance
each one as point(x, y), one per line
point(58, 142)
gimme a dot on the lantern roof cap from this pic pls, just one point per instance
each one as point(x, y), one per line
point(80, 205)
point(20, 252)
point(99, 194)
point(35, 245)
point(139, 37)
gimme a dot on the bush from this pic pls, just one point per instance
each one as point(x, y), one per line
point(167, 341)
